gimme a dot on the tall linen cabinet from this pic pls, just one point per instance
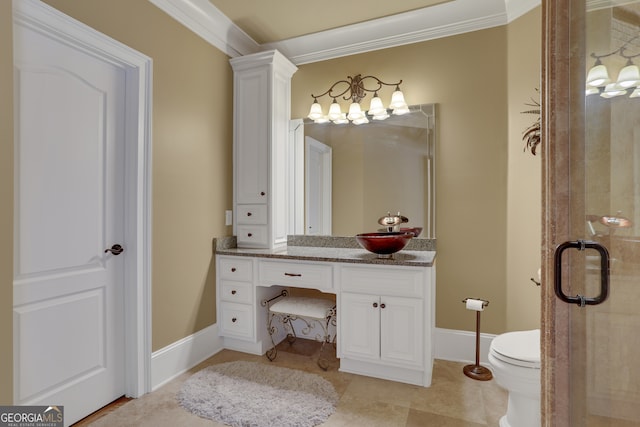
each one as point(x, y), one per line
point(262, 111)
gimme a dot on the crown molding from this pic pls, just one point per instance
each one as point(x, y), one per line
point(442, 20)
point(206, 20)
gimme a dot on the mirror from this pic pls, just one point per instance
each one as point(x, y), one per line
point(370, 169)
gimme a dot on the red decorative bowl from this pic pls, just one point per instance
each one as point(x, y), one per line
point(415, 230)
point(384, 244)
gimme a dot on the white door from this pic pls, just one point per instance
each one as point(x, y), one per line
point(69, 208)
point(318, 187)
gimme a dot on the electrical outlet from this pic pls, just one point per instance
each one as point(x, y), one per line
point(228, 217)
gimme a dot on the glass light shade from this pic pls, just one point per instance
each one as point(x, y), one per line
point(612, 90)
point(361, 120)
point(334, 111)
point(381, 116)
point(629, 76)
point(341, 120)
point(323, 119)
point(400, 111)
point(598, 76)
point(376, 107)
point(591, 91)
point(316, 111)
point(635, 93)
point(355, 112)
point(397, 100)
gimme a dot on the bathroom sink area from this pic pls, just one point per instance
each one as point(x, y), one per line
point(384, 244)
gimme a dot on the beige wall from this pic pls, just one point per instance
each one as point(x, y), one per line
point(6, 204)
point(192, 142)
point(524, 206)
point(468, 77)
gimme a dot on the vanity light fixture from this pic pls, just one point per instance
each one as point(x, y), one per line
point(598, 81)
point(356, 91)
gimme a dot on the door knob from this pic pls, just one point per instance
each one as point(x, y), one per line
point(115, 249)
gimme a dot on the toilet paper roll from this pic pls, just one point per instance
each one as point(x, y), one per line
point(475, 304)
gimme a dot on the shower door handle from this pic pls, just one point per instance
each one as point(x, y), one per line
point(581, 245)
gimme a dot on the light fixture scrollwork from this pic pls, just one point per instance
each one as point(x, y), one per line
point(599, 82)
point(354, 89)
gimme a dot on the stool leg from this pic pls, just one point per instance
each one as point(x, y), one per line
point(273, 351)
point(291, 331)
point(322, 362)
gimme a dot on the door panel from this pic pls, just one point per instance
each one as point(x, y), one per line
point(360, 326)
point(590, 376)
point(401, 330)
point(69, 190)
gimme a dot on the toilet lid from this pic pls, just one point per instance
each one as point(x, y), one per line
point(520, 348)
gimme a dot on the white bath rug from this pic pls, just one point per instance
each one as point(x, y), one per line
point(249, 394)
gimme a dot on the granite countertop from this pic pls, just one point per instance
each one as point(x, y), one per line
point(331, 250)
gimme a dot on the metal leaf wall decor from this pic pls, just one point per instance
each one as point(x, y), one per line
point(531, 135)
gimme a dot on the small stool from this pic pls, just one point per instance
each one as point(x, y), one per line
point(312, 311)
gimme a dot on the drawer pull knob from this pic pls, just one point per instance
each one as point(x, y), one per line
point(233, 292)
point(234, 320)
point(375, 305)
point(249, 213)
point(262, 193)
point(249, 234)
point(293, 274)
point(233, 269)
point(383, 305)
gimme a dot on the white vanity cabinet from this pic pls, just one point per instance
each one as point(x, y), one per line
point(385, 317)
point(381, 328)
point(241, 318)
point(262, 92)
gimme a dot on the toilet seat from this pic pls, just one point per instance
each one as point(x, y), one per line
point(521, 348)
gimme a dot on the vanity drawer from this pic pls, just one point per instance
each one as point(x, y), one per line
point(300, 275)
point(251, 214)
point(240, 292)
point(237, 320)
point(252, 236)
point(383, 280)
point(236, 268)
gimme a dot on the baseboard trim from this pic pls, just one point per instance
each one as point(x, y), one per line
point(174, 359)
point(460, 346)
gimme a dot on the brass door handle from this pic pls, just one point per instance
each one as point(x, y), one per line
point(115, 249)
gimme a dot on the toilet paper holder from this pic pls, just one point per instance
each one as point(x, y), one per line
point(484, 302)
point(476, 371)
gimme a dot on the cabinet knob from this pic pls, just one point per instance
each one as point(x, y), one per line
point(262, 193)
point(249, 213)
point(249, 234)
point(375, 305)
point(234, 320)
point(383, 305)
point(233, 269)
point(233, 292)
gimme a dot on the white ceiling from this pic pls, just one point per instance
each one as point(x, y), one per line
point(306, 31)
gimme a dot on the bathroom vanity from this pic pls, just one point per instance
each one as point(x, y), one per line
point(386, 307)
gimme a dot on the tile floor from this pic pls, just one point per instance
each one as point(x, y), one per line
point(453, 400)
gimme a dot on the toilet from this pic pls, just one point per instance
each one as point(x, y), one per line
point(515, 362)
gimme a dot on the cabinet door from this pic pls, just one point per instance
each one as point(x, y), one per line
point(360, 326)
point(401, 330)
point(251, 148)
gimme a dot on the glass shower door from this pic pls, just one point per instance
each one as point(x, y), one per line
point(591, 319)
